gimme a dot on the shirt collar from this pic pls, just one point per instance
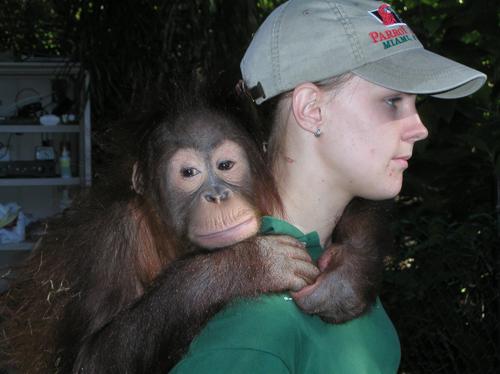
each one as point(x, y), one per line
point(273, 225)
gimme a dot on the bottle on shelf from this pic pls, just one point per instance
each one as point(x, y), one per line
point(65, 163)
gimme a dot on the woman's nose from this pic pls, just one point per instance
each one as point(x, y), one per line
point(414, 130)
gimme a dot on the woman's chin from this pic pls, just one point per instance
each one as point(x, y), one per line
point(390, 189)
point(389, 192)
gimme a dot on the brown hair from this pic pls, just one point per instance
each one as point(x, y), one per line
point(275, 110)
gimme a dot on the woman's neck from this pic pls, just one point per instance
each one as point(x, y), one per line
point(311, 202)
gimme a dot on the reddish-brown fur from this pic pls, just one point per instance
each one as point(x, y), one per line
point(96, 260)
point(106, 286)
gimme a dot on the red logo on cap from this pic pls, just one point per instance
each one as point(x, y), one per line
point(386, 15)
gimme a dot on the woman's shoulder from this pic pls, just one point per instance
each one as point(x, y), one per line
point(246, 337)
point(249, 321)
point(253, 325)
point(271, 332)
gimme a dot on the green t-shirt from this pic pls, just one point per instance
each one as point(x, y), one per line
point(270, 334)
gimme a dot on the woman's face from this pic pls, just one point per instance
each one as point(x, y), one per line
point(368, 138)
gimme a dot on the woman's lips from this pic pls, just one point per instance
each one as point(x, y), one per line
point(401, 162)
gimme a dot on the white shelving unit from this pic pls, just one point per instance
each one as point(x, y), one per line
point(39, 196)
point(17, 247)
point(36, 128)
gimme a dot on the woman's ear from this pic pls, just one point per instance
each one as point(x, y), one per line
point(306, 106)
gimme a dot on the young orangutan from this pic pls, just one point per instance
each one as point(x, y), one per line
point(124, 282)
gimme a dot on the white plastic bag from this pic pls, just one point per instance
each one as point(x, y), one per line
point(9, 213)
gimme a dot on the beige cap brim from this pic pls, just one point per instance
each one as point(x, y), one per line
point(420, 71)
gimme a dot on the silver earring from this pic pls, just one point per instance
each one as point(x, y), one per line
point(317, 133)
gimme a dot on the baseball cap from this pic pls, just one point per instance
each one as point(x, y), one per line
point(312, 40)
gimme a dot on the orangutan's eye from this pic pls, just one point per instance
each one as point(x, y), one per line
point(189, 172)
point(225, 165)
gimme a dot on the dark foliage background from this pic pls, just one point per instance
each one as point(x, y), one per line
point(442, 287)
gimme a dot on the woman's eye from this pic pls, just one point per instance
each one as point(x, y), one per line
point(189, 172)
point(225, 165)
point(393, 101)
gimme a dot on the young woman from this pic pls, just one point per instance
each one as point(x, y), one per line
point(343, 76)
